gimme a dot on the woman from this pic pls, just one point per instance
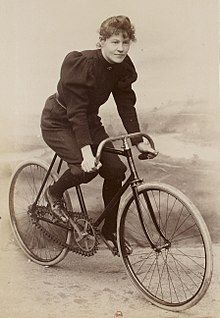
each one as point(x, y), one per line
point(70, 123)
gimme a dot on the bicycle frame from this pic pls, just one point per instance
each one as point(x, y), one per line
point(173, 274)
point(132, 180)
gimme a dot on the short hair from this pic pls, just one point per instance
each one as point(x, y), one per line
point(115, 25)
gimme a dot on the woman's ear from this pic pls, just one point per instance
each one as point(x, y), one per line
point(101, 41)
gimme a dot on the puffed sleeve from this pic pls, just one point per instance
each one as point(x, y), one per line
point(77, 80)
point(125, 98)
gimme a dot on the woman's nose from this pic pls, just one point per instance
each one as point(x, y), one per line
point(120, 47)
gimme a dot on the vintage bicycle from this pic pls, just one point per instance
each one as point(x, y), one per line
point(162, 238)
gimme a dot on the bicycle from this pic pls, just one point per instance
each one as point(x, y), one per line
point(170, 251)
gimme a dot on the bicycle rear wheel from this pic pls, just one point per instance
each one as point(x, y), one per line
point(176, 274)
point(34, 234)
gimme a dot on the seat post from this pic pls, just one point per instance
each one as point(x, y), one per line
point(45, 180)
point(81, 200)
point(59, 166)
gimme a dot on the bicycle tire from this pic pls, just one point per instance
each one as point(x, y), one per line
point(24, 186)
point(175, 278)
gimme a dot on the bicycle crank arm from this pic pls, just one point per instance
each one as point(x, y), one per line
point(112, 247)
point(76, 228)
point(83, 236)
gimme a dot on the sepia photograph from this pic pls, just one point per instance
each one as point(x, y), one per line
point(110, 159)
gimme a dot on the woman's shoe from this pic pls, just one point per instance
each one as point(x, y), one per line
point(112, 237)
point(57, 206)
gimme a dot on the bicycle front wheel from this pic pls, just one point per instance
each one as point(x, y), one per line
point(173, 269)
point(35, 235)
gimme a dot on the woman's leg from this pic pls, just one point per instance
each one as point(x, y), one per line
point(60, 137)
point(64, 144)
point(110, 188)
point(113, 172)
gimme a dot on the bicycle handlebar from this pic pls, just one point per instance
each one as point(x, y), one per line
point(142, 156)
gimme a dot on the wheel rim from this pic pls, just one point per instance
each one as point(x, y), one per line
point(172, 276)
point(24, 188)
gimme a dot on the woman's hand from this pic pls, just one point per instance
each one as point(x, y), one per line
point(144, 147)
point(89, 162)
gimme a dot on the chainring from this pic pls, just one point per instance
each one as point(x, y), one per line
point(84, 242)
point(85, 237)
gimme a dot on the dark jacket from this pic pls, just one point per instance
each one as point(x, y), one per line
point(86, 82)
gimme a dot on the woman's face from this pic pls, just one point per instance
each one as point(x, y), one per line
point(115, 48)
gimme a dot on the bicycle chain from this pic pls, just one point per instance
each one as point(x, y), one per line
point(74, 216)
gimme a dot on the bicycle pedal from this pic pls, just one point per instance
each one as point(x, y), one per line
point(111, 246)
point(128, 248)
point(56, 219)
point(115, 252)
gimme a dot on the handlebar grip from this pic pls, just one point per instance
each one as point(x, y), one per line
point(147, 155)
point(143, 156)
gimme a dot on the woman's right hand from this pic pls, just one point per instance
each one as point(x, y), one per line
point(89, 161)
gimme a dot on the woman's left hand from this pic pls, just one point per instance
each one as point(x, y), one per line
point(145, 147)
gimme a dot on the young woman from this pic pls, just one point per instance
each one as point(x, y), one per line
point(70, 123)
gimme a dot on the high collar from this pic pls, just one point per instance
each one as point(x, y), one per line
point(106, 64)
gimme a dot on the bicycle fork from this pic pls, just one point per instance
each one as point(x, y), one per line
point(134, 184)
point(155, 247)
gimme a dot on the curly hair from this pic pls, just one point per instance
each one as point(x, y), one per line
point(115, 25)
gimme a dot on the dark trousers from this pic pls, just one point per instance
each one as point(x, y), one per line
point(62, 140)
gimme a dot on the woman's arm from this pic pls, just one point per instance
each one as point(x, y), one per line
point(76, 81)
point(125, 98)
